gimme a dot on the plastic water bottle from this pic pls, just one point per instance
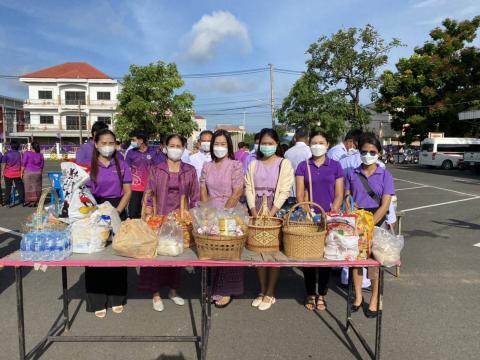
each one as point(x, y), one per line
point(59, 246)
point(68, 244)
point(38, 246)
point(23, 248)
point(49, 241)
point(28, 238)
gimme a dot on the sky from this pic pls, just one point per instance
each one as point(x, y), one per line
point(205, 37)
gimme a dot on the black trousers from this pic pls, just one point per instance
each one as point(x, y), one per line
point(135, 205)
point(18, 185)
point(106, 286)
point(310, 277)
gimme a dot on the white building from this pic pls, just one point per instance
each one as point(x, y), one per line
point(62, 96)
point(202, 125)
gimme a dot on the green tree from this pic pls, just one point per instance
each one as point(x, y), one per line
point(149, 100)
point(349, 60)
point(308, 105)
point(430, 88)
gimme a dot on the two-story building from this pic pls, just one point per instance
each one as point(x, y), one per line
point(62, 97)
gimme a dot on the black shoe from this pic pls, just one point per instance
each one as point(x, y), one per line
point(355, 308)
point(371, 314)
point(25, 204)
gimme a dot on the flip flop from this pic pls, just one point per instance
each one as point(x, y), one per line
point(101, 313)
point(222, 306)
point(117, 309)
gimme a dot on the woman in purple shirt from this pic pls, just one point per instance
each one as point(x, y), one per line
point(110, 180)
point(168, 181)
point(376, 201)
point(324, 177)
point(12, 172)
point(32, 168)
point(221, 183)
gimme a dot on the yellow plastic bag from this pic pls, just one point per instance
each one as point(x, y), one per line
point(364, 225)
point(136, 240)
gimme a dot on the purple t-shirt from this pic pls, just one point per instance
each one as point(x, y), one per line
point(381, 182)
point(108, 183)
point(323, 181)
point(33, 161)
point(85, 152)
point(13, 164)
point(140, 163)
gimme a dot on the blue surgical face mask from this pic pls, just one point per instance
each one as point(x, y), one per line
point(134, 145)
point(268, 150)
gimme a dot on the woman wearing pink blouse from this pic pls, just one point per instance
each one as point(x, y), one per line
point(221, 183)
point(32, 168)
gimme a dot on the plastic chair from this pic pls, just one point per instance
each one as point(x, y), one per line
point(55, 180)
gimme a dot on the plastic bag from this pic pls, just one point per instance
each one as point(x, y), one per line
point(73, 177)
point(81, 204)
point(341, 247)
point(107, 209)
point(342, 223)
point(89, 236)
point(386, 246)
point(135, 239)
point(170, 238)
point(209, 220)
point(364, 225)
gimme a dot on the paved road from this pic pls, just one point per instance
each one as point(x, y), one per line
point(430, 312)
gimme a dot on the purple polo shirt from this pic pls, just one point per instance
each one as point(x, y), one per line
point(33, 161)
point(140, 163)
point(13, 164)
point(85, 152)
point(323, 180)
point(381, 182)
point(108, 184)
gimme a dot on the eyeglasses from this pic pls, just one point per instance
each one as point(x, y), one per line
point(371, 153)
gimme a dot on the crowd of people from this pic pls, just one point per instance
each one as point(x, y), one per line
point(156, 179)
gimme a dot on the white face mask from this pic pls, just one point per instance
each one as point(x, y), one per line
point(220, 152)
point(106, 151)
point(318, 149)
point(205, 146)
point(174, 154)
point(369, 159)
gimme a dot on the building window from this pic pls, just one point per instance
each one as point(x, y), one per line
point(46, 119)
point(74, 97)
point(106, 119)
point(103, 95)
point(72, 122)
point(44, 94)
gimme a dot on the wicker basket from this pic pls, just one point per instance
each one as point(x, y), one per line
point(187, 227)
point(37, 217)
point(264, 231)
point(219, 247)
point(304, 240)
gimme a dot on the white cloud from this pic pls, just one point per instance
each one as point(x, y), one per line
point(212, 30)
point(228, 85)
point(427, 3)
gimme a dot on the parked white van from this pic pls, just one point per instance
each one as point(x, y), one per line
point(446, 152)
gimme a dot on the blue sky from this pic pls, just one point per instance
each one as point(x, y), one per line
point(202, 37)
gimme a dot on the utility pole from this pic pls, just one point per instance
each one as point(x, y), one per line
point(243, 135)
point(80, 121)
point(272, 94)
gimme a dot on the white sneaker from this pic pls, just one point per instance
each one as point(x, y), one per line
point(258, 300)
point(158, 305)
point(177, 300)
point(265, 305)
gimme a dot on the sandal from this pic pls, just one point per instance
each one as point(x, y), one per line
point(117, 309)
point(310, 302)
point(101, 313)
point(219, 305)
point(321, 303)
point(258, 300)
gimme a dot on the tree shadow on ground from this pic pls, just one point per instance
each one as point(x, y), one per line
point(459, 224)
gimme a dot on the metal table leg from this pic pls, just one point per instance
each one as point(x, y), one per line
point(20, 314)
point(349, 297)
point(378, 330)
point(66, 317)
point(206, 311)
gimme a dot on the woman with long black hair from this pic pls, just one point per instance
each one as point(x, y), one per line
point(110, 180)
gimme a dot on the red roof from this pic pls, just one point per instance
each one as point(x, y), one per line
point(69, 70)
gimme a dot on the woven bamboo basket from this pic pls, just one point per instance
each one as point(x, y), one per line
point(218, 247)
point(304, 240)
point(264, 231)
point(186, 225)
point(37, 222)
